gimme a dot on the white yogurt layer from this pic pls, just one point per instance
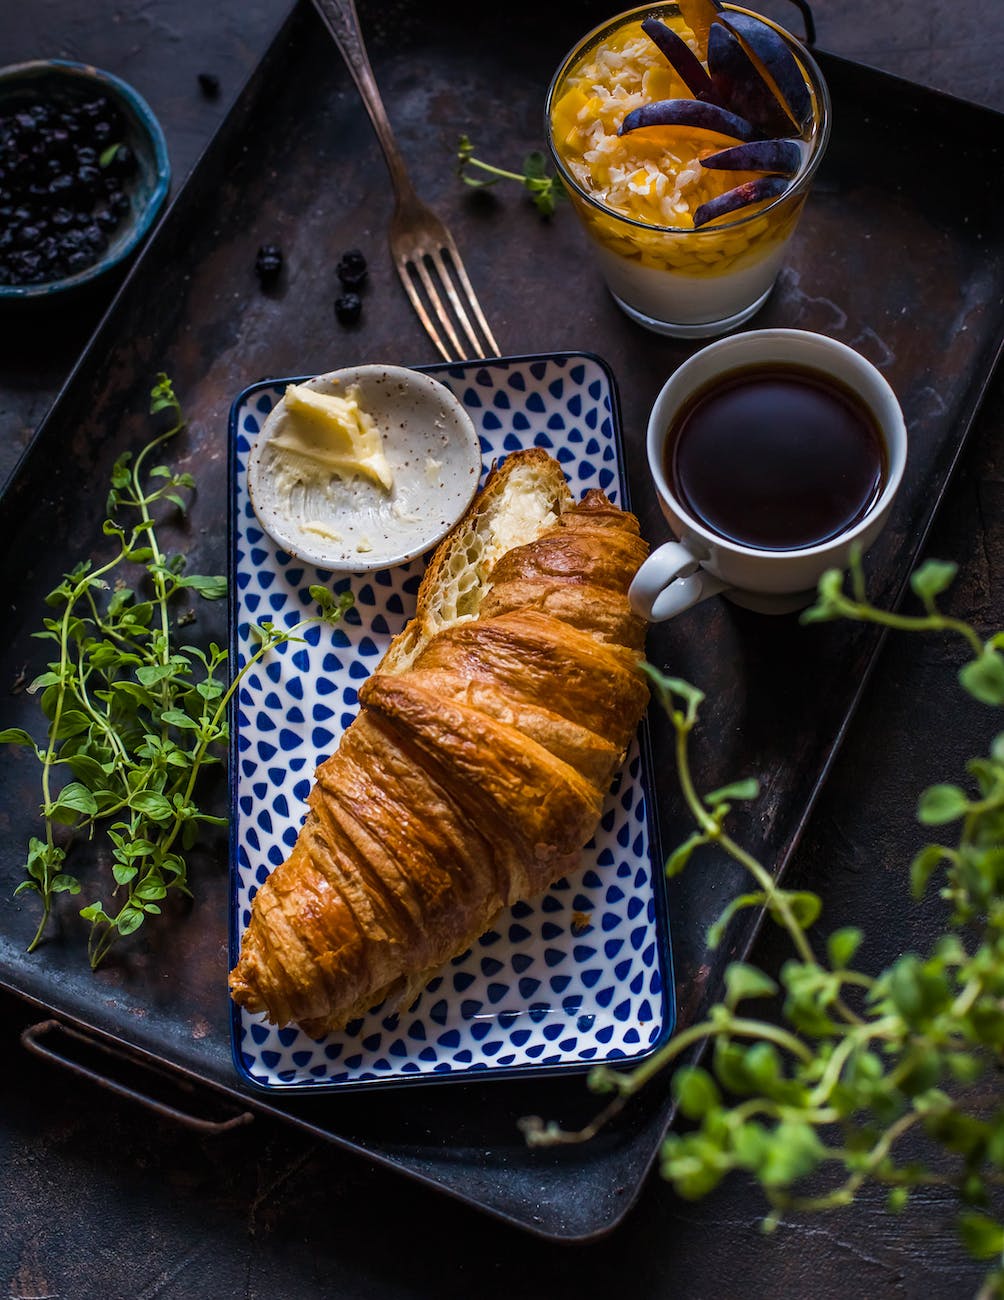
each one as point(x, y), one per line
point(682, 299)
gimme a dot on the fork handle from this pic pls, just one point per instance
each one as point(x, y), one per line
point(342, 22)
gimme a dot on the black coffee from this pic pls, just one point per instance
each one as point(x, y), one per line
point(776, 457)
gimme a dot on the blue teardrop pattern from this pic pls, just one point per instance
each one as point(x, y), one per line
point(576, 977)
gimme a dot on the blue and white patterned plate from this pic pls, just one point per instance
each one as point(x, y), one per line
point(579, 976)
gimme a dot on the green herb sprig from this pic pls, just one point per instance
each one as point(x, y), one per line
point(544, 189)
point(134, 716)
point(815, 1106)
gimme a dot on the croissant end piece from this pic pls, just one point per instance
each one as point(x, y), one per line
point(477, 767)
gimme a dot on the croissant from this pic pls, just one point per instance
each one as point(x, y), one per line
point(477, 766)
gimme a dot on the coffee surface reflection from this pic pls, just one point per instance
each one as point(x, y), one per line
point(776, 457)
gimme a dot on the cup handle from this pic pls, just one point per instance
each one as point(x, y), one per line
point(670, 581)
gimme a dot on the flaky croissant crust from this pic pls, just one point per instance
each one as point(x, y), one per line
point(470, 779)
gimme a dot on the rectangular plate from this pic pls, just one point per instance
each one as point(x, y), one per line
point(580, 976)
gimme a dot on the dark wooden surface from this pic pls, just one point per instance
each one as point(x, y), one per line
point(96, 1198)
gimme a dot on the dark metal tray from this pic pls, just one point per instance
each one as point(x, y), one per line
point(884, 260)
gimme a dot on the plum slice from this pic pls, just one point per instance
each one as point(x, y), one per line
point(775, 63)
point(764, 187)
point(682, 58)
point(781, 157)
point(737, 82)
point(688, 112)
point(699, 15)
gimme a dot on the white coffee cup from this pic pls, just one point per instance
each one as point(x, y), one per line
point(702, 563)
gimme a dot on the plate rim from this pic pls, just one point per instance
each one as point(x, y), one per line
point(663, 932)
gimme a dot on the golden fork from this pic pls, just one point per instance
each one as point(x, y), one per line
point(423, 249)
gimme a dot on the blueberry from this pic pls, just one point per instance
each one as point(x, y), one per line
point(89, 177)
point(77, 260)
point(29, 263)
point(95, 238)
point(102, 131)
point(86, 156)
point(209, 85)
point(351, 269)
point(105, 218)
point(348, 308)
point(119, 202)
point(62, 184)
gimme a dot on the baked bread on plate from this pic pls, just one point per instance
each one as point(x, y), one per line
point(477, 766)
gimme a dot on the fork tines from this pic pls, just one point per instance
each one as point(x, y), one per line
point(431, 273)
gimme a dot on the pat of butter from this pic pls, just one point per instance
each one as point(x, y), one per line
point(333, 434)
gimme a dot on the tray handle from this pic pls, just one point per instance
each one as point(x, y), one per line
point(808, 20)
point(33, 1040)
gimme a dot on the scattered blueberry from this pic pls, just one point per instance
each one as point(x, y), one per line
point(268, 264)
point(348, 308)
point(209, 85)
point(351, 269)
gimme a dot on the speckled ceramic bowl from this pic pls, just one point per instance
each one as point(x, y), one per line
point(434, 456)
point(59, 80)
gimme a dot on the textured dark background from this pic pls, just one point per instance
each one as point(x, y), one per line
point(98, 1199)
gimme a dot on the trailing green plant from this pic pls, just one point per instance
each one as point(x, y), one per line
point(134, 715)
point(816, 1103)
point(543, 188)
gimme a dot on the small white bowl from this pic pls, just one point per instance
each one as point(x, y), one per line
point(433, 451)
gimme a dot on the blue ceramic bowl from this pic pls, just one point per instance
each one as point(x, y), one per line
point(63, 82)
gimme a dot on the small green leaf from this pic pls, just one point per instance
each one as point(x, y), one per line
point(680, 856)
point(72, 801)
point(743, 981)
point(535, 164)
point(208, 587)
point(106, 156)
point(162, 396)
point(178, 718)
point(942, 803)
point(983, 678)
point(72, 722)
point(717, 930)
point(804, 905)
point(842, 945)
point(64, 884)
point(95, 912)
point(830, 598)
point(923, 866)
point(16, 736)
point(152, 805)
point(128, 920)
point(151, 674)
point(932, 578)
point(695, 1090)
point(747, 789)
point(982, 1236)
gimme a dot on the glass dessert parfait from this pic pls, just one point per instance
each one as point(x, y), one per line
point(687, 136)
